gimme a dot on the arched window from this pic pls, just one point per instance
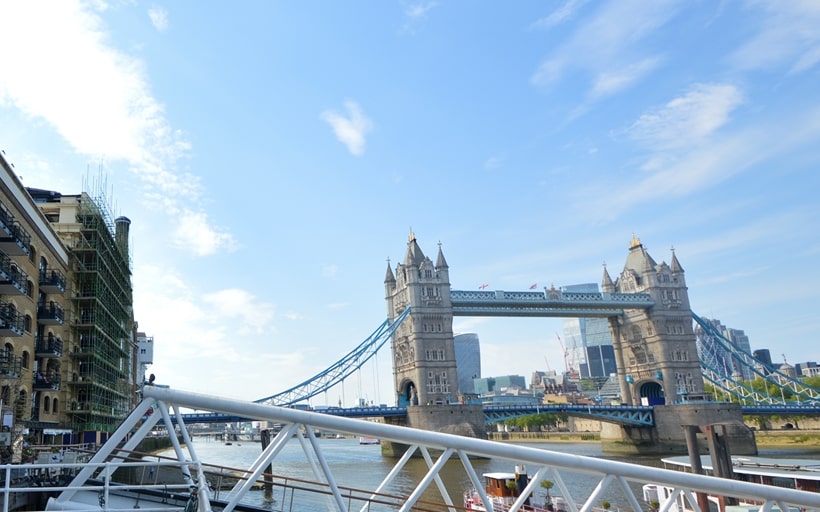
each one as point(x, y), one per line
point(24, 359)
point(31, 253)
point(8, 350)
point(46, 404)
point(43, 263)
point(27, 323)
point(30, 288)
point(54, 403)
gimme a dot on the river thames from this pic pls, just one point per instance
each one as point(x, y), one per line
point(364, 467)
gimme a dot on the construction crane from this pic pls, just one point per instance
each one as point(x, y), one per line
point(569, 360)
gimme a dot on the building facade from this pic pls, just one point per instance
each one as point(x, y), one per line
point(34, 297)
point(424, 359)
point(657, 357)
point(588, 342)
point(68, 361)
point(102, 365)
point(468, 361)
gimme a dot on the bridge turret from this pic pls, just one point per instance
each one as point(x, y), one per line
point(607, 286)
point(657, 346)
point(424, 364)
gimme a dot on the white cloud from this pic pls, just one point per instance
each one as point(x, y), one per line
point(788, 37)
point(687, 119)
point(103, 108)
point(704, 165)
point(613, 35)
point(561, 14)
point(493, 163)
point(196, 234)
point(349, 130)
point(238, 304)
point(419, 9)
point(611, 82)
point(159, 18)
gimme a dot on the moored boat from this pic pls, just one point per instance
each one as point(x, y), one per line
point(504, 489)
point(791, 473)
point(368, 440)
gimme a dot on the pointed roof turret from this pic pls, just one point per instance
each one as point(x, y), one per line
point(675, 265)
point(607, 286)
point(414, 256)
point(440, 261)
point(389, 277)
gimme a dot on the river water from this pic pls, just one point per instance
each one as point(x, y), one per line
point(364, 467)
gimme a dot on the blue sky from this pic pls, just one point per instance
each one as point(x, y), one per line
point(273, 155)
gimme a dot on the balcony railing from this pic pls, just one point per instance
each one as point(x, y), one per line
point(52, 280)
point(14, 239)
point(13, 280)
point(50, 314)
point(10, 366)
point(48, 346)
point(12, 323)
point(43, 382)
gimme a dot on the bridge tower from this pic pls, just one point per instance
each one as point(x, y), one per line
point(424, 361)
point(655, 349)
point(657, 359)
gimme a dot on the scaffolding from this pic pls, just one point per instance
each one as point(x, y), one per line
point(103, 323)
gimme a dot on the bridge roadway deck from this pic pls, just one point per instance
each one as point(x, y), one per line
point(636, 416)
point(549, 303)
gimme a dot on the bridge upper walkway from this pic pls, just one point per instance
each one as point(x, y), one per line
point(549, 303)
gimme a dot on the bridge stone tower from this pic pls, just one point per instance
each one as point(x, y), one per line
point(657, 358)
point(655, 349)
point(424, 359)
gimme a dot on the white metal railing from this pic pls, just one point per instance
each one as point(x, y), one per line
point(436, 448)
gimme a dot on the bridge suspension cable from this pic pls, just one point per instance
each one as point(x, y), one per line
point(339, 370)
point(712, 362)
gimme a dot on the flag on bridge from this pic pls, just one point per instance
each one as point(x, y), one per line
point(483, 286)
point(533, 287)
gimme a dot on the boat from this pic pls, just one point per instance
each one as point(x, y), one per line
point(792, 473)
point(504, 490)
point(368, 440)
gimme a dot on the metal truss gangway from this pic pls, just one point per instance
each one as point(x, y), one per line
point(551, 302)
point(437, 449)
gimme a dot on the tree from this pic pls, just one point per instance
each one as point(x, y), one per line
point(547, 484)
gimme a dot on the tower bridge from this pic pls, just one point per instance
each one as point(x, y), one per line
point(658, 359)
point(650, 320)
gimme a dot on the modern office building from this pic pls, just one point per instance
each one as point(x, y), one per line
point(500, 383)
point(715, 353)
point(588, 342)
point(764, 357)
point(468, 361)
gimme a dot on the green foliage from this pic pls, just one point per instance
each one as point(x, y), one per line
point(606, 505)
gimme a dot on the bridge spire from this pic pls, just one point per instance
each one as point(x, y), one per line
point(607, 286)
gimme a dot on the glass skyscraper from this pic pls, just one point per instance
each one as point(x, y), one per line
point(587, 341)
point(468, 361)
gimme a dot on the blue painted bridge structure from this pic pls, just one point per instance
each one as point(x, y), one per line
point(633, 416)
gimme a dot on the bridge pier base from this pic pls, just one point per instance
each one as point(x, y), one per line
point(462, 420)
point(669, 435)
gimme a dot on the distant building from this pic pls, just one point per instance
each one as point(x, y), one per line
point(487, 385)
point(588, 342)
point(145, 354)
point(765, 358)
point(806, 369)
point(468, 361)
point(715, 354)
